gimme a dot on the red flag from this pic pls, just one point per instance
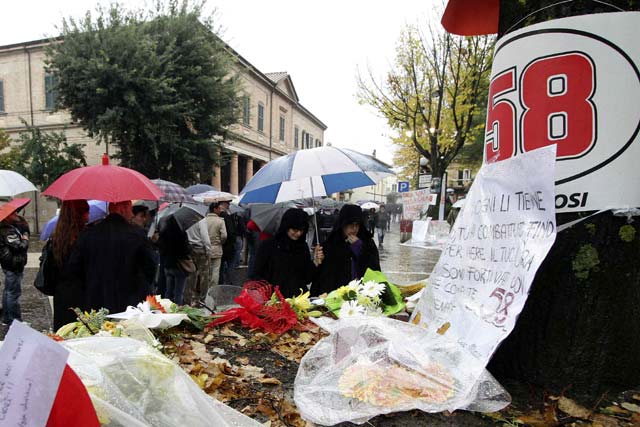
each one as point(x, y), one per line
point(471, 17)
point(72, 406)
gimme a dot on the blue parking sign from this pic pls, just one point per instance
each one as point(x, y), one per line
point(403, 186)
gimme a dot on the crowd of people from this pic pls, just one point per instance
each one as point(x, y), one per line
point(119, 260)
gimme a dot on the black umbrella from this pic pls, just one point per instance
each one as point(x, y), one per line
point(185, 214)
point(200, 188)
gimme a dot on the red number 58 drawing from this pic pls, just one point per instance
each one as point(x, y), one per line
point(555, 96)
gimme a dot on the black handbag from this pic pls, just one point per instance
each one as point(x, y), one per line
point(45, 282)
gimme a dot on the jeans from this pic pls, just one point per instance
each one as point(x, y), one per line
point(11, 296)
point(238, 252)
point(252, 246)
point(381, 232)
point(175, 280)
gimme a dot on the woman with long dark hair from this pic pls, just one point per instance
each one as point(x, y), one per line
point(67, 293)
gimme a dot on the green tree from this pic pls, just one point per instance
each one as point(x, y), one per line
point(8, 154)
point(433, 97)
point(155, 84)
point(42, 157)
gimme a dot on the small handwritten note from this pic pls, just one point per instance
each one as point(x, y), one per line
point(31, 366)
point(482, 279)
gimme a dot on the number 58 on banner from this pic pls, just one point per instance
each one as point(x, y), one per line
point(574, 83)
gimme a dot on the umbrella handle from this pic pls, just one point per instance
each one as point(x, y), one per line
point(315, 217)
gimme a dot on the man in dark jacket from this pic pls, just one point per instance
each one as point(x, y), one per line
point(382, 224)
point(348, 252)
point(14, 243)
point(229, 246)
point(114, 261)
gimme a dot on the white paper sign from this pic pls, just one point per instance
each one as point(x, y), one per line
point(499, 240)
point(413, 203)
point(573, 82)
point(31, 366)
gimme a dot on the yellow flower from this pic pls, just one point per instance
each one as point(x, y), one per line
point(301, 302)
point(108, 325)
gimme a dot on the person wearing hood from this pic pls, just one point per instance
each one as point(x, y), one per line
point(349, 251)
point(285, 259)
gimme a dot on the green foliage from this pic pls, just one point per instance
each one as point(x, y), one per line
point(8, 154)
point(627, 233)
point(157, 84)
point(434, 97)
point(585, 261)
point(42, 157)
point(591, 228)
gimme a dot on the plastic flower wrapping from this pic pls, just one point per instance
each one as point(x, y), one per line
point(373, 295)
point(133, 385)
point(366, 368)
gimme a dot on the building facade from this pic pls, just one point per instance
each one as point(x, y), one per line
point(273, 122)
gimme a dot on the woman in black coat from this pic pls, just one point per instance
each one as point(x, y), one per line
point(285, 260)
point(66, 290)
point(349, 251)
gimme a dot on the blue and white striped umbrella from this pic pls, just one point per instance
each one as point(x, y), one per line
point(315, 172)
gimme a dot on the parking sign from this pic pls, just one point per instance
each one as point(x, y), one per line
point(403, 186)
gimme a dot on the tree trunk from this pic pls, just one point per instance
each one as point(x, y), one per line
point(580, 326)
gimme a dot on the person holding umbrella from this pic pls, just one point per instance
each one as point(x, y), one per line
point(114, 262)
point(348, 251)
point(14, 244)
point(285, 259)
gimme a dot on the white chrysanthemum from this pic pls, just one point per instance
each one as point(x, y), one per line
point(371, 289)
point(354, 284)
point(351, 309)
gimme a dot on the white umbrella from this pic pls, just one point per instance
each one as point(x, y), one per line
point(12, 183)
point(370, 205)
point(214, 196)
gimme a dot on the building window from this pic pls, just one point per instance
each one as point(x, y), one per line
point(466, 175)
point(260, 117)
point(318, 143)
point(50, 91)
point(306, 142)
point(295, 137)
point(304, 136)
point(281, 129)
point(246, 110)
point(1, 96)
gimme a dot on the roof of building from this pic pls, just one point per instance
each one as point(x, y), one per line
point(270, 78)
point(277, 76)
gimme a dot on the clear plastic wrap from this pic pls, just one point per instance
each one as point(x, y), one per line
point(132, 385)
point(374, 365)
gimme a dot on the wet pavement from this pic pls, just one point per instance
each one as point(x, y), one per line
point(402, 265)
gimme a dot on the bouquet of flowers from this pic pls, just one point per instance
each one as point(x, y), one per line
point(262, 306)
point(372, 295)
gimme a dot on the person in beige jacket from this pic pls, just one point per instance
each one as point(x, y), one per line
point(217, 235)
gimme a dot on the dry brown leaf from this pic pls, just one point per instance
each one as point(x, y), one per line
point(200, 350)
point(631, 407)
point(600, 420)
point(251, 371)
point(615, 411)
point(242, 360)
point(270, 381)
point(549, 414)
point(227, 332)
point(266, 409)
point(416, 320)
point(573, 409)
point(636, 397)
point(208, 338)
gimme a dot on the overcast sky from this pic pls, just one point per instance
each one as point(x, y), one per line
point(321, 44)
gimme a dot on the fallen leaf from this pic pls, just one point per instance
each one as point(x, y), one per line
point(208, 338)
point(533, 419)
point(200, 350)
point(242, 360)
point(305, 338)
point(571, 408)
point(631, 407)
point(616, 411)
point(600, 420)
point(270, 381)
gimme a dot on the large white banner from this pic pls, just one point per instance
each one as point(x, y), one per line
point(497, 244)
point(573, 82)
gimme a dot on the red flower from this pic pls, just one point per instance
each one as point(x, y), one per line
point(154, 304)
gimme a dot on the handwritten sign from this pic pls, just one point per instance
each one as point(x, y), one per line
point(413, 203)
point(31, 366)
point(500, 238)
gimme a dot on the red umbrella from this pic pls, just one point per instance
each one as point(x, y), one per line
point(103, 182)
point(471, 17)
point(12, 206)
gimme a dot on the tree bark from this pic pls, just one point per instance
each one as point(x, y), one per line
point(580, 326)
